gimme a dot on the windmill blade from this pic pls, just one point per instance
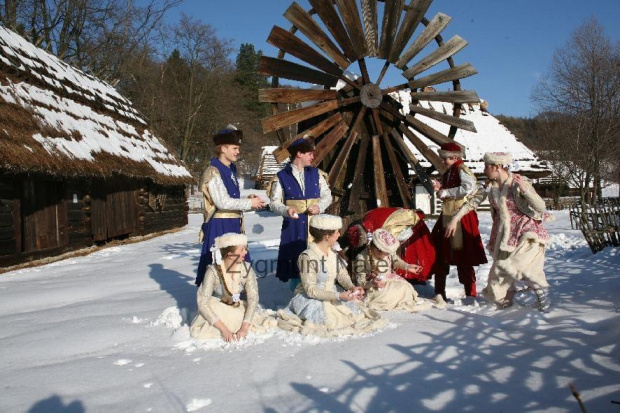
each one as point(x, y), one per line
point(391, 17)
point(328, 14)
point(447, 119)
point(351, 17)
point(450, 48)
point(436, 26)
point(281, 153)
point(415, 13)
point(346, 149)
point(424, 178)
point(454, 73)
point(284, 119)
point(288, 70)
point(306, 24)
point(431, 156)
point(379, 173)
point(328, 142)
point(434, 135)
point(401, 183)
point(293, 45)
point(369, 14)
point(293, 95)
point(457, 96)
point(358, 174)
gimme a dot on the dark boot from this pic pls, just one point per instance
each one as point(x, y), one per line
point(544, 303)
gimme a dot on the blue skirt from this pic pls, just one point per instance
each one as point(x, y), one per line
point(212, 229)
point(293, 241)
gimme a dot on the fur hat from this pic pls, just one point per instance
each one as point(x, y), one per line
point(450, 149)
point(228, 136)
point(301, 145)
point(230, 239)
point(326, 222)
point(497, 158)
point(384, 241)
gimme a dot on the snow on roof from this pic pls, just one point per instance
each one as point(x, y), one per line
point(59, 120)
point(491, 136)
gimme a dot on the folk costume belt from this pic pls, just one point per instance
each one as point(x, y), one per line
point(301, 205)
point(227, 214)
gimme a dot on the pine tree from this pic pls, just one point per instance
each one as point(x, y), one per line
point(248, 78)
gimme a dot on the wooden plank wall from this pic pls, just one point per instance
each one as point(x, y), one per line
point(162, 208)
point(8, 239)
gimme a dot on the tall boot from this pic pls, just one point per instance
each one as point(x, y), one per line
point(544, 303)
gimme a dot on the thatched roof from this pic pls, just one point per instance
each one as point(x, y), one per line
point(57, 120)
point(491, 136)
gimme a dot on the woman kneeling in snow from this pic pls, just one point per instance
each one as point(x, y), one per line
point(373, 269)
point(518, 239)
point(221, 312)
point(318, 307)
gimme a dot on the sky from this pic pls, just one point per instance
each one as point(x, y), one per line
point(511, 43)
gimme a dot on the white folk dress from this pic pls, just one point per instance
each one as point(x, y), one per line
point(518, 239)
point(397, 294)
point(211, 298)
point(315, 309)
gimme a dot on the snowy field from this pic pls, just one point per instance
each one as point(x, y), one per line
point(108, 333)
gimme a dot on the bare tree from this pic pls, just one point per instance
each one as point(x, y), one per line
point(580, 99)
point(97, 36)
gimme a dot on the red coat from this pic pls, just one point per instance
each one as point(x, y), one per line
point(417, 249)
point(472, 252)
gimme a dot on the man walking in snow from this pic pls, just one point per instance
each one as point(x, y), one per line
point(464, 248)
point(297, 191)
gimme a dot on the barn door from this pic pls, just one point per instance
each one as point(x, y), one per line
point(43, 215)
point(114, 212)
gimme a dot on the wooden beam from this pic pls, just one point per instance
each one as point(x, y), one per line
point(454, 73)
point(436, 26)
point(391, 17)
point(415, 13)
point(306, 24)
point(282, 120)
point(424, 178)
point(328, 142)
point(459, 96)
point(449, 49)
point(401, 183)
point(351, 17)
point(431, 156)
point(346, 149)
point(369, 15)
point(358, 176)
point(288, 70)
point(379, 174)
point(291, 44)
point(281, 154)
point(328, 14)
point(293, 95)
point(447, 119)
point(432, 134)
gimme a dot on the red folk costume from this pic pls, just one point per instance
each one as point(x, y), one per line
point(417, 246)
point(464, 249)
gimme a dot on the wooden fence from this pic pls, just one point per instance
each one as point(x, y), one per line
point(599, 223)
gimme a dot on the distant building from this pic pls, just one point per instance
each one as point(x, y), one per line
point(78, 163)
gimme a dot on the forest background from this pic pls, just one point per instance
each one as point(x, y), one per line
point(189, 82)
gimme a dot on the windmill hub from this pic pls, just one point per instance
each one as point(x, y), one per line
point(371, 95)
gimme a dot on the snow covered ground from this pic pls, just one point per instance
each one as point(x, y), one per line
point(108, 333)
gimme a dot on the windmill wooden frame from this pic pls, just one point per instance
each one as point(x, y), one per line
point(360, 129)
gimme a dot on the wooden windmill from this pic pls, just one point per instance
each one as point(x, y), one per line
point(359, 128)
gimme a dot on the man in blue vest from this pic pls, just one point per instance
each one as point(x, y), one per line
point(297, 191)
point(222, 204)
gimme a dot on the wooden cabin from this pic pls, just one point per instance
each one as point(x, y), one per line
point(78, 164)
